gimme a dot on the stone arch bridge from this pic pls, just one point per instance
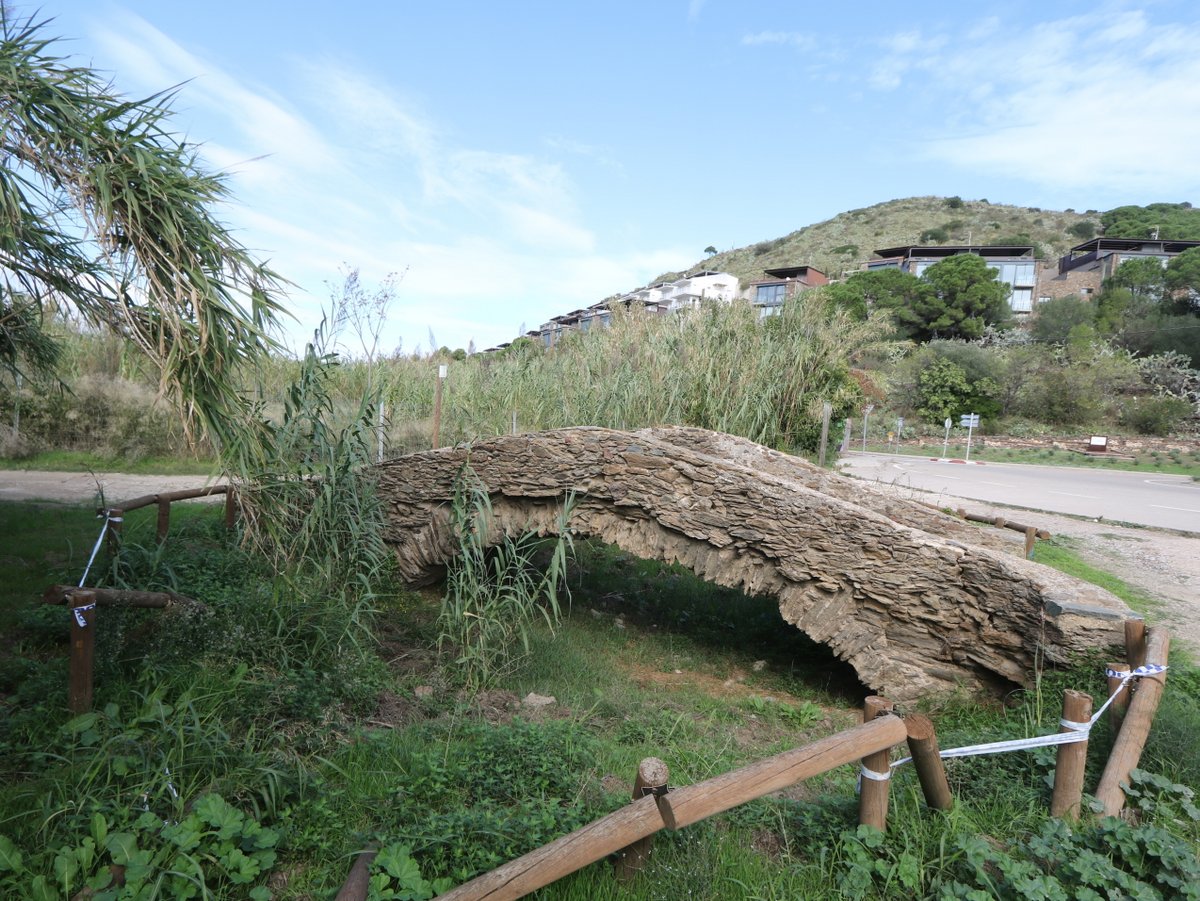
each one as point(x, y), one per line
point(917, 601)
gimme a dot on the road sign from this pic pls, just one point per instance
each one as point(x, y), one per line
point(969, 421)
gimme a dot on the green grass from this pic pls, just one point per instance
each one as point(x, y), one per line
point(79, 461)
point(1057, 553)
point(1163, 463)
point(266, 703)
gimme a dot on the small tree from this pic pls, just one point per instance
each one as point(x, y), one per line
point(1059, 317)
point(964, 295)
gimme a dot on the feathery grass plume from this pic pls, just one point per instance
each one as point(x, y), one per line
point(495, 589)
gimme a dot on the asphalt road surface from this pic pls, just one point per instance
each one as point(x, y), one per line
point(1164, 501)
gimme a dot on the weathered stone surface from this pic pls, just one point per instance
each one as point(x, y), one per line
point(915, 600)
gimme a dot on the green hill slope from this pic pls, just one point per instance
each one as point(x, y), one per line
point(837, 246)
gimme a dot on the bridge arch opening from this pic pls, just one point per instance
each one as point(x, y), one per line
point(614, 586)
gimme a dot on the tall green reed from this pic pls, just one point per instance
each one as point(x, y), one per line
point(495, 588)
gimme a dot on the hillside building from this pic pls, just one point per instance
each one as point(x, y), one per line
point(1015, 264)
point(767, 295)
point(1083, 269)
point(683, 293)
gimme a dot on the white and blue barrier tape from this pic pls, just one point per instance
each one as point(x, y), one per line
point(79, 611)
point(1078, 731)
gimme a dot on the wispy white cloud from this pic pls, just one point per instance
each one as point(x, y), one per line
point(786, 38)
point(695, 7)
point(356, 173)
point(1106, 99)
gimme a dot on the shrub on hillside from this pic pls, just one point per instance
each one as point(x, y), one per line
point(1155, 415)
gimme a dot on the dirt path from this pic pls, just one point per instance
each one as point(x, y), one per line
point(1164, 565)
point(83, 487)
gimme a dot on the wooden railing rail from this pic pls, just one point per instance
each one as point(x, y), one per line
point(116, 513)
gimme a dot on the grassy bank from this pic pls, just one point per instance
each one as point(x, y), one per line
point(292, 732)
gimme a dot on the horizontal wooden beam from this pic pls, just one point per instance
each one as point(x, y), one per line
point(113, 597)
point(693, 803)
point(183, 494)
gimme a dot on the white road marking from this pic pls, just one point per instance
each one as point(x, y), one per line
point(1180, 509)
point(998, 484)
point(1086, 497)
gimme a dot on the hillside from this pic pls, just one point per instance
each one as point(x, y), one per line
point(838, 245)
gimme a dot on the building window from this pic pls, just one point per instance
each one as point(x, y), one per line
point(770, 295)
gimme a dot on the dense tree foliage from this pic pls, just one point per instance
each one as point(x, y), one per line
point(107, 213)
point(963, 295)
point(1148, 309)
point(1170, 221)
point(956, 298)
point(876, 289)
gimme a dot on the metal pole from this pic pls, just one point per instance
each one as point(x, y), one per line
point(946, 440)
point(970, 428)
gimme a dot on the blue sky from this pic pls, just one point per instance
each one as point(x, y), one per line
point(519, 160)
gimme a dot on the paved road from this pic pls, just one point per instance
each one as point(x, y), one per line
point(1165, 501)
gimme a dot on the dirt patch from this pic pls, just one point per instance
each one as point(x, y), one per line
point(732, 687)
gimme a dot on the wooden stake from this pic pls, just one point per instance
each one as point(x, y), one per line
point(1135, 642)
point(116, 518)
point(358, 880)
point(1030, 540)
point(651, 780)
point(873, 793)
point(1127, 750)
point(926, 755)
point(692, 803)
point(230, 507)
point(1072, 759)
point(826, 412)
point(1116, 711)
point(437, 410)
point(164, 520)
point(83, 651)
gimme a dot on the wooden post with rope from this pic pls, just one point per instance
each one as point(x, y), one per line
point(873, 793)
point(1072, 758)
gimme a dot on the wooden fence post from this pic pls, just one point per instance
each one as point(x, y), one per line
point(83, 650)
point(1127, 749)
point(115, 519)
point(1135, 642)
point(1072, 759)
point(1030, 540)
point(164, 519)
point(437, 407)
point(927, 759)
point(873, 793)
point(651, 779)
point(1116, 711)
point(230, 506)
